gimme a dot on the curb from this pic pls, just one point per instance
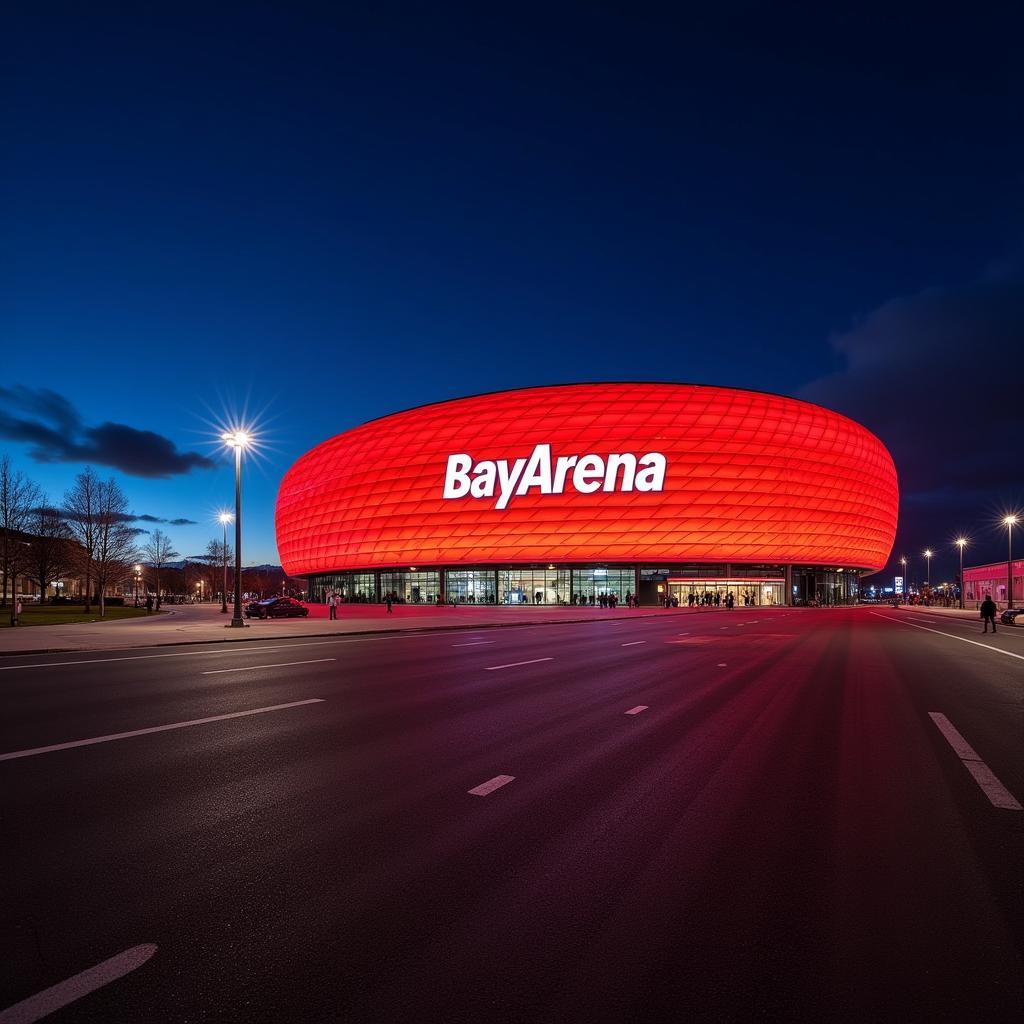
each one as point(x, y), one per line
point(454, 628)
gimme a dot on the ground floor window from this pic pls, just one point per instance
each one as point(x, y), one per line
point(470, 586)
point(715, 593)
point(533, 586)
point(594, 586)
point(350, 587)
point(411, 587)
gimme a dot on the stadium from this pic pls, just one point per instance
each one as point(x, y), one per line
point(561, 494)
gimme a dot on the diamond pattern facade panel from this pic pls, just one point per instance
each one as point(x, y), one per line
point(748, 477)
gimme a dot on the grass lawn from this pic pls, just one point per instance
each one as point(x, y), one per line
point(62, 614)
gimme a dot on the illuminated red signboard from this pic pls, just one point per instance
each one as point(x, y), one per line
point(638, 473)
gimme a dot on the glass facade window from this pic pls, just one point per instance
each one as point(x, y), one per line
point(822, 587)
point(411, 587)
point(533, 586)
point(351, 587)
point(713, 592)
point(589, 585)
point(470, 586)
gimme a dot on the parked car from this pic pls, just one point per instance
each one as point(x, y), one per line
point(1012, 617)
point(276, 608)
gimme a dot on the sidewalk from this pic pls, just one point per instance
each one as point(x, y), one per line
point(204, 623)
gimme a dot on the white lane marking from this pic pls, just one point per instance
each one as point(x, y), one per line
point(155, 728)
point(723, 664)
point(56, 997)
point(633, 643)
point(488, 787)
point(952, 636)
point(474, 643)
point(998, 794)
point(279, 664)
point(516, 664)
point(637, 709)
point(682, 634)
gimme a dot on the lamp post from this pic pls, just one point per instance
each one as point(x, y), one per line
point(1009, 522)
point(138, 578)
point(225, 518)
point(928, 570)
point(906, 580)
point(961, 542)
point(239, 440)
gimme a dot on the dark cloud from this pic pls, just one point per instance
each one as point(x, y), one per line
point(55, 433)
point(183, 522)
point(936, 377)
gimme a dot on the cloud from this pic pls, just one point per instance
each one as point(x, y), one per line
point(183, 522)
point(55, 432)
point(934, 376)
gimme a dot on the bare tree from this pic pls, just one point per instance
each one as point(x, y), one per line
point(157, 552)
point(217, 555)
point(51, 547)
point(81, 512)
point(18, 497)
point(115, 539)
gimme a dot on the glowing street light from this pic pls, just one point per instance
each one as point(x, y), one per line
point(1009, 522)
point(906, 579)
point(225, 518)
point(928, 570)
point(239, 440)
point(961, 543)
point(138, 577)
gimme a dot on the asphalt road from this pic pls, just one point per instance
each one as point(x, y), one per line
point(791, 828)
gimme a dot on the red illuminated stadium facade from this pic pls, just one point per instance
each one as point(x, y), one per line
point(557, 495)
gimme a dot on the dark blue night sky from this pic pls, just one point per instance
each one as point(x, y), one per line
point(326, 214)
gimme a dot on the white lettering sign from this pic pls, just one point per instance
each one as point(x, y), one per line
point(589, 473)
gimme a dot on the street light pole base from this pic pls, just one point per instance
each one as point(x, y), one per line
point(237, 624)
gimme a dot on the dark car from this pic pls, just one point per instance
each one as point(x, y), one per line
point(1012, 617)
point(276, 608)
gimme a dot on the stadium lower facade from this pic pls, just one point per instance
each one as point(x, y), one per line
point(562, 494)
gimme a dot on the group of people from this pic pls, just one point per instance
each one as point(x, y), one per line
point(717, 599)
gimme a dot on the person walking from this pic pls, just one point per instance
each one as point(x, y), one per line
point(332, 606)
point(988, 613)
point(149, 604)
point(388, 601)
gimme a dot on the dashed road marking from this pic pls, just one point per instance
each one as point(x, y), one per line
point(474, 643)
point(723, 664)
point(998, 794)
point(58, 996)
point(155, 728)
point(637, 709)
point(488, 787)
point(279, 664)
point(516, 664)
point(633, 643)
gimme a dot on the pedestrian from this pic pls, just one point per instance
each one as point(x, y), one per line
point(388, 601)
point(332, 606)
point(988, 613)
point(149, 604)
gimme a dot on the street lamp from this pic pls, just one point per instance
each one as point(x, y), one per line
point(928, 569)
point(961, 543)
point(239, 440)
point(1009, 522)
point(906, 580)
point(138, 578)
point(225, 518)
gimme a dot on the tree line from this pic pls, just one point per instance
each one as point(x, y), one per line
point(89, 535)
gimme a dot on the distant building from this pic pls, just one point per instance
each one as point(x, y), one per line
point(980, 580)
